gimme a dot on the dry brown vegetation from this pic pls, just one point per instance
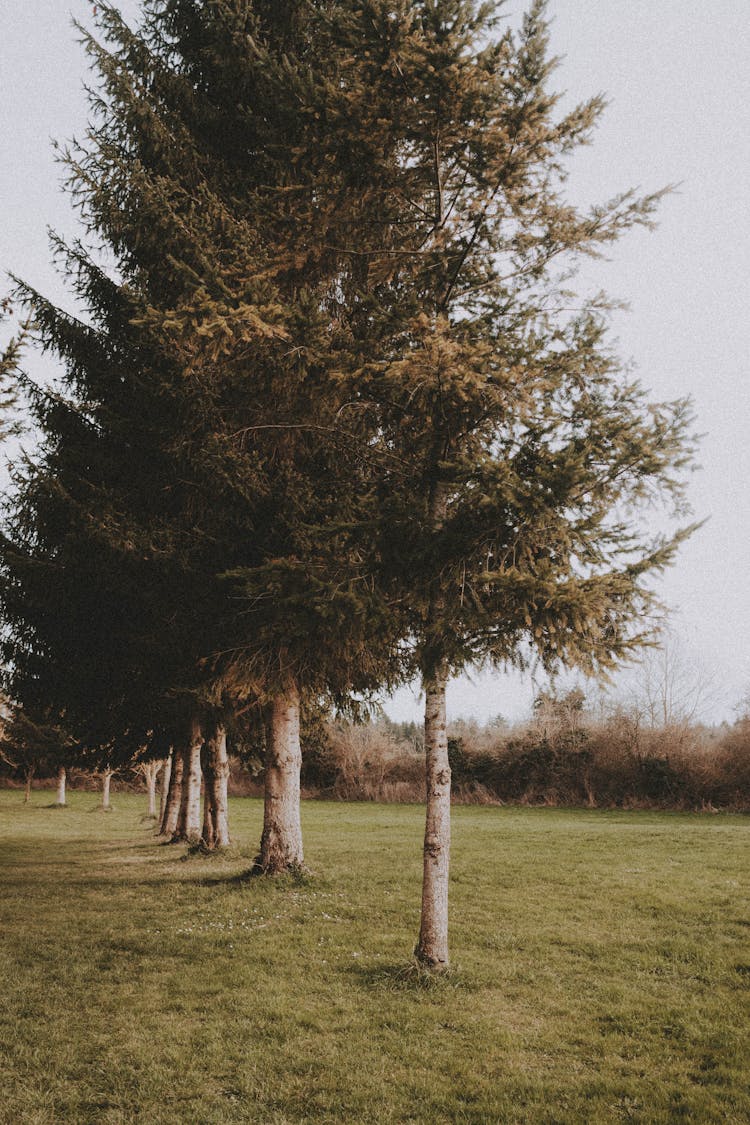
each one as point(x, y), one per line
point(566, 755)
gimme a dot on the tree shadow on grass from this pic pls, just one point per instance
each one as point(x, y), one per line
point(411, 977)
point(254, 875)
point(229, 880)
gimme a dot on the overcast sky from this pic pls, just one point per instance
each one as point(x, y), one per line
point(677, 73)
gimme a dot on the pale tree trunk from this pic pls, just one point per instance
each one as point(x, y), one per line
point(220, 791)
point(281, 842)
point(166, 777)
point(106, 780)
point(216, 804)
point(61, 779)
point(432, 948)
point(150, 773)
point(174, 797)
point(29, 778)
point(189, 823)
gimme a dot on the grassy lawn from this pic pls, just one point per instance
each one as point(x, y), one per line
point(602, 970)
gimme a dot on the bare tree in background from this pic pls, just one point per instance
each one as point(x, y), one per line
point(672, 687)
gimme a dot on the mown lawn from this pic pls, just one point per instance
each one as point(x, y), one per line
point(602, 971)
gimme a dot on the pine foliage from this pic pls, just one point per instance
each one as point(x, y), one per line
point(518, 452)
point(325, 401)
point(185, 537)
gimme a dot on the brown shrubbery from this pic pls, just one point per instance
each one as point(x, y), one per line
point(564, 756)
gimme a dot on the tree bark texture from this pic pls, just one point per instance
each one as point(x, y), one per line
point(61, 779)
point(208, 839)
point(174, 797)
point(432, 948)
point(29, 779)
point(216, 804)
point(166, 777)
point(189, 823)
point(281, 842)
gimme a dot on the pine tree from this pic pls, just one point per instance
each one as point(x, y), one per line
point(515, 449)
point(189, 521)
point(110, 581)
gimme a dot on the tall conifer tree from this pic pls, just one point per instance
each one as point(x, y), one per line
point(515, 448)
point(199, 477)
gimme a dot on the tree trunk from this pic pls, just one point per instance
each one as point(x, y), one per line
point(208, 837)
point(61, 779)
point(174, 798)
point(189, 823)
point(106, 779)
point(216, 804)
point(432, 948)
point(281, 842)
point(152, 772)
point(166, 777)
point(220, 795)
point(29, 779)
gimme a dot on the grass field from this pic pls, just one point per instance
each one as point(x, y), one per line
point(602, 970)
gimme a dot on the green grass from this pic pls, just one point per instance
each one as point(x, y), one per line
point(602, 967)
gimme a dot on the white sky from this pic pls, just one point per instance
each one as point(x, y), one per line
point(677, 73)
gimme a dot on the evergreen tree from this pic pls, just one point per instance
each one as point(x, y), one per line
point(515, 448)
point(111, 589)
point(183, 542)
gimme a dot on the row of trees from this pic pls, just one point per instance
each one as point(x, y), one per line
point(328, 416)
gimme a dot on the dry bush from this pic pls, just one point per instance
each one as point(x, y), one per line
point(730, 776)
point(370, 766)
point(567, 756)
